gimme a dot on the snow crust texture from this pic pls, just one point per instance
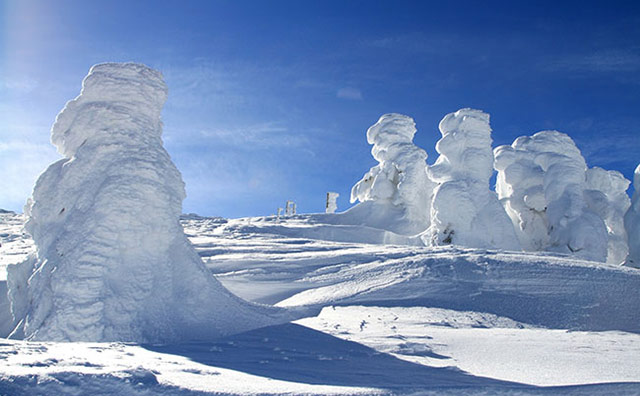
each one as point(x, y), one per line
point(112, 260)
point(542, 184)
point(398, 185)
point(464, 210)
point(632, 223)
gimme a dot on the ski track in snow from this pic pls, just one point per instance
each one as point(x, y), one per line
point(383, 319)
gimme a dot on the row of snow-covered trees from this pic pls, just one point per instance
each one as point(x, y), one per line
point(546, 198)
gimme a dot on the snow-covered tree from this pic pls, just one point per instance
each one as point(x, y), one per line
point(464, 210)
point(112, 261)
point(332, 202)
point(520, 188)
point(606, 195)
point(396, 193)
point(542, 180)
point(632, 223)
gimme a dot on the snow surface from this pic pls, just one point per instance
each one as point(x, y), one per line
point(398, 188)
point(433, 321)
point(464, 211)
point(520, 353)
point(112, 261)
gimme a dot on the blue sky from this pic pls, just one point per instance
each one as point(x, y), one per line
point(270, 100)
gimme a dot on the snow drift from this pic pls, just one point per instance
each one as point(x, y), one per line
point(112, 260)
point(465, 211)
point(542, 182)
point(395, 194)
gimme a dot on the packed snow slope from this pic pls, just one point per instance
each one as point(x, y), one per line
point(382, 319)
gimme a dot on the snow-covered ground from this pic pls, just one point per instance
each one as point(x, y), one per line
point(381, 319)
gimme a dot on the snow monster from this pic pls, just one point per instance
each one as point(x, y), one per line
point(112, 261)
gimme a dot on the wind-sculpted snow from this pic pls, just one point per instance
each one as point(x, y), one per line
point(542, 181)
point(632, 223)
point(552, 292)
point(396, 193)
point(269, 264)
point(112, 261)
point(606, 196)
point(464, 211)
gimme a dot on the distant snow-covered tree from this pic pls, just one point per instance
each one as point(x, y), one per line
point(606, 195)
point(464, 210)
point(542, 181)
point(396, 193)
point(520, 188)
point(632, 223)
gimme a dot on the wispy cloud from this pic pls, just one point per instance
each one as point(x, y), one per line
point(627, 60)
point(204, 84)
point(349, 93)
point(267, 135)
point(18, 84)
point(414, 42)
point(609, 143)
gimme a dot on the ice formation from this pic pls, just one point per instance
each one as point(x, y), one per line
point(112, 260)
point(632, 223)
point(396, 193)
point(542, 181)
point(464, 210)
point(606, 196)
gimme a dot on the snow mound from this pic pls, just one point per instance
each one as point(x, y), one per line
point(112, 260)
point(464, 211)
point(398, 185)
point(542, 183)
point(632, 223)
point(542, 290)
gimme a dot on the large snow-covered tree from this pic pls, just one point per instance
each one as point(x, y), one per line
point(112, 260)
point(542, 181)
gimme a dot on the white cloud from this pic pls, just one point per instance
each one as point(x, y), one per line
point(255, 136)
point(349, 93)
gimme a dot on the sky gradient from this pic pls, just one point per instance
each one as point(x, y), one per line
point(270, 101)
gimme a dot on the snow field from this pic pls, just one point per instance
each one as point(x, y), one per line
point(381, 340)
